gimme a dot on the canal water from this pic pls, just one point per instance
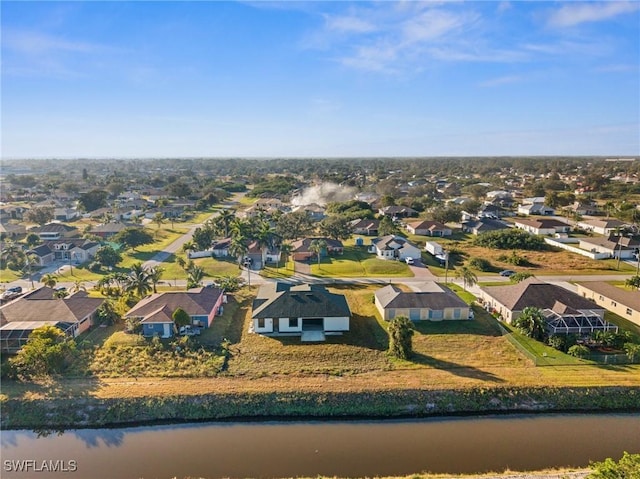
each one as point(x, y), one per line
point(345, 449)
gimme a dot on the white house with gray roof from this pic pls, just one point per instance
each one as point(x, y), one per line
point(394, 247)
point(306, 310)
point(434, 303)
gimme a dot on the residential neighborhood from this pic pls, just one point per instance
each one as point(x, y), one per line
point(167, 262)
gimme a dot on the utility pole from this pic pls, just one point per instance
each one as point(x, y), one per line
point(446, 265)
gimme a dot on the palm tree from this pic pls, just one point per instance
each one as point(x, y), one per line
point(158, 219)
point(285, 249)
point(195, 277)
point(189, 247)
point(531, 322)
point(138, 281)
point(318, 246)
point(155, 274)
point(180, 261)
point(78, 285)
point(266, 238)
point(468, 277)
point(223, 221)
point(49, 280)
point(238, 248)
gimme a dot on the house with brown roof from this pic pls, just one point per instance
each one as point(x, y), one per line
point(365, 227)
point(301, 249)
point(428, 228)
point(614, 246)
point(433, 303)
point(394, 211)
point(73, 315)
point(603, 227)
point(155, 312)
point(564, 310)
point(624, 303)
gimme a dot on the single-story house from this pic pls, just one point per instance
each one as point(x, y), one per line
point(12, 212)
point(155, 312)
point(11, 230)
point(603, 227)
point(543, 227)
point(428, 228)
point(108, 230)
point(535, 209)
point(397, 211)
point(313, 210)
point(365, 227)
point(583, 208)
point(65, 214)
point(615, 246)
point(300, 249)
point(565, 310)
point(483, 225)
point(433, 303)
point(220, 248)
point(394, 247)
point(624, 303)
point(54, 231)
point(73, 315)
point(306, 310)
point(42, 254)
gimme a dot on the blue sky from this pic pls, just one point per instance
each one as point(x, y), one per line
point(319, 79)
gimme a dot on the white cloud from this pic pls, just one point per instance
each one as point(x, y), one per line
point(572, 14)
point(32, 43)
point(504, 80)
point(349, 24)
point(434, 24)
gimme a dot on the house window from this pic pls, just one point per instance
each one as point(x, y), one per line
point(293, 322)
point(601, 298)
point(629, 312)
point(613, 303)
point(261, 323)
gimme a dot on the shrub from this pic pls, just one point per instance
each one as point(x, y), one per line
point(510, 239)
point(578, 351)
point(480, 264)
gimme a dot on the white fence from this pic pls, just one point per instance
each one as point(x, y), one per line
point(563, 243)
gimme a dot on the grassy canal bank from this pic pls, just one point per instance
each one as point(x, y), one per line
point(93, 412)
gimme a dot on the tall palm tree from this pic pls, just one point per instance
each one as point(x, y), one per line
point(318, 246)
point(49, 280)
point(238, 248)
point(155, 274)
point(265, 236)
point(223, 221)
point(138, 281)
point(285, 249)
point(195, 277)
point(467, 276)
point(158, 219)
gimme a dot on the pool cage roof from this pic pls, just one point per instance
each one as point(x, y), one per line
point(580, 322)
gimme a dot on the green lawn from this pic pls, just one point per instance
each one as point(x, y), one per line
point(213, 268)
point(356, 262)
point(7, 275)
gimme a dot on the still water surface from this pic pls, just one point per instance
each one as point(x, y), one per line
point(347, 449)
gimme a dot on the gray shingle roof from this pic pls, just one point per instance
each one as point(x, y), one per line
point(281, 300)
point(532, 292)
point(40, 305)
point(392, 297)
